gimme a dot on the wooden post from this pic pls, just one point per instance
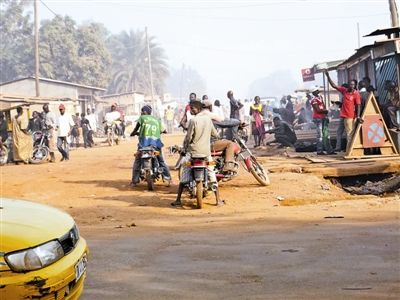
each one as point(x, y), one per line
point(36, 48)
point(394, 15)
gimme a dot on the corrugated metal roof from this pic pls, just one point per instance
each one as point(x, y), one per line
point(8, 101)
point(56, 81)
point(386, 31)
point(359, 53)
point(121, 94)
point(329, 65)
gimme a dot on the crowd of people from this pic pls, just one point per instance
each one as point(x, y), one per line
point(201, 138)
point(77, 130)
point(290, 114)
point(62, 131)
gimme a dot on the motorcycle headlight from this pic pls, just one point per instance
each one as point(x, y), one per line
point(35, 258)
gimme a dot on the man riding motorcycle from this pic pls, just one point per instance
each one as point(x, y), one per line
point(197, 142)
point(149, 129)
point(114, 116)
point(217, 145)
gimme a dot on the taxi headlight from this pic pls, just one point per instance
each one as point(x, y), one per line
point(35, 258)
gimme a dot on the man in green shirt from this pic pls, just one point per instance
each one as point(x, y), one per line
point(149, 129)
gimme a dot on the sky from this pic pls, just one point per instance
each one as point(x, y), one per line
point(232, 43)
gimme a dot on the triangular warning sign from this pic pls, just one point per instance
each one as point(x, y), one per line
point(372, 134)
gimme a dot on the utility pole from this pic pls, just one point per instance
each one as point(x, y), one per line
point(36, 48)
point(150, 71)
point(394, 13)
point(181, 83)
point(358, 35)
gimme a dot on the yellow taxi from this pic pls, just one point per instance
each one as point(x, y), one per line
point(42, 255)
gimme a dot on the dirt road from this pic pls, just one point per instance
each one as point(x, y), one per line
point(251, 248)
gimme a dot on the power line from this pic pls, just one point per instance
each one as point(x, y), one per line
point(52, 11)
point(239, 6)
point(324, 18)
point(247, 5)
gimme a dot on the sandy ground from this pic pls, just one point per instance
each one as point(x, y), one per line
point(254, 247)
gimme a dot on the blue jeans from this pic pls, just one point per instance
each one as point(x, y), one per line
point(63, 147)
point(136, 168)
point(323, 138)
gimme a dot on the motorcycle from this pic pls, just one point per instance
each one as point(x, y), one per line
point(242, 155)
point(150, 170)
point(113, 133)
point(41, 149)
point(198, 184)
point(4, 151)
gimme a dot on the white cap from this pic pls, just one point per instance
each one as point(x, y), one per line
point(314, 89)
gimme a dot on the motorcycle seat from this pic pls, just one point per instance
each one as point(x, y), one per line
point(229, 123)
point(217, 153)
point(199, 156)
point(147, 148)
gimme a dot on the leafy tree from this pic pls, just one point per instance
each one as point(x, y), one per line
point(16, 41)
point(58, 49)
point(75, 54)
point(94, 57)
point(130, 67)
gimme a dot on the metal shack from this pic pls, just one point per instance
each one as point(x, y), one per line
point(82, 95)
point(379, 61)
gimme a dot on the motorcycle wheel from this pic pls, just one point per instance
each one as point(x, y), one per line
point(199, 194)
point(39, 154)
point(258, 172)
point(150, 181)
point(3, 156)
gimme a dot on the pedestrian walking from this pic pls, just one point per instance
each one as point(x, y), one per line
point(64, 126)
point(257, 122)
point(76, 131)
point(85, 131)
point(169, 116)
point(22, 140)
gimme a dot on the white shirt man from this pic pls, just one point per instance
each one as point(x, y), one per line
point(92, 121)
point(64, 124)
point(218, 111)
point(112, 116)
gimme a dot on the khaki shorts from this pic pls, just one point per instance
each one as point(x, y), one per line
point(52, 140)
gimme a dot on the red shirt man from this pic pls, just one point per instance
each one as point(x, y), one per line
point(350, 100)
point(321, 112)
point(351, 108)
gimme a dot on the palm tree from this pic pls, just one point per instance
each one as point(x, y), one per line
point(130, 63)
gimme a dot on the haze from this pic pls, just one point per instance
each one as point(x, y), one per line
point(233, 43)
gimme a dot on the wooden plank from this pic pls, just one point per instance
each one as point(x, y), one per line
point(355, 169)
point(366, 160)
point(316, 159)
point(361, 156)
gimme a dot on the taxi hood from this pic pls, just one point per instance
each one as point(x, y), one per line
point(25, 224)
